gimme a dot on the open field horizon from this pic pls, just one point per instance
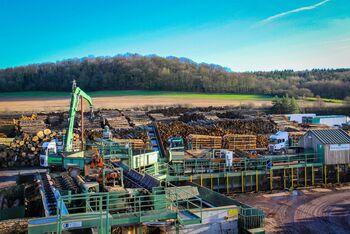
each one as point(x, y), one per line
point(58, 101)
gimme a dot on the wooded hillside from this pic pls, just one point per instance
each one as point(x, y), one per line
point(127, 72)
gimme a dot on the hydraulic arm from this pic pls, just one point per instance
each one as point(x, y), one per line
point(77, 94)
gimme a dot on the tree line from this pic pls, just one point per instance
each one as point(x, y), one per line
point(136, 72)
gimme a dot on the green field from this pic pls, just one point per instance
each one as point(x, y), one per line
point(326, 100)
point(108, 93)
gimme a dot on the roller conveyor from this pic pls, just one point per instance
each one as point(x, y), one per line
point(49, 199)
point(64, 182)
point(50, 196)
point(136, 180)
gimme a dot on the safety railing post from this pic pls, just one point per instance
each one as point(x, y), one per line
point(107, 214)
point(140, 208)
point(100, 209)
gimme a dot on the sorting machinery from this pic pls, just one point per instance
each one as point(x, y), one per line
point(107, 186)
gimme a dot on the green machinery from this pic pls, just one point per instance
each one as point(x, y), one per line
point(77, 94)
point(50, 155)
point(103, 210)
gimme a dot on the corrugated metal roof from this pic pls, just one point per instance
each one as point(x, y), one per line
point(331, 136)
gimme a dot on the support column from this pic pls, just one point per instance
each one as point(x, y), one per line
point(242, 181)
point(292, 177)
point(338, 179)
point(201, 180)
point(284, 178)
point(82, 122)
point(325, 174)
point(257, 181)
point(297, 176)
point(227, 189)
point(312, 175)
point(271, 175)
point(305, 176)
point(211, 181)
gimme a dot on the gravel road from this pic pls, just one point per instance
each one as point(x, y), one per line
point(304, 211)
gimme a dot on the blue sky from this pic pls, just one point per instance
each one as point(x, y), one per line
point(243, 35)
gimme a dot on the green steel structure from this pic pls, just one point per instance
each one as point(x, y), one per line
point(76, 94)
point(257, 174)
point(104, 210)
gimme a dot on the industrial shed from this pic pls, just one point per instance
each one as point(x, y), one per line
point(331, 145)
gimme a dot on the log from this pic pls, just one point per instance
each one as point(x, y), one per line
point(40, 134)
point(47, 131)
point(35, 139)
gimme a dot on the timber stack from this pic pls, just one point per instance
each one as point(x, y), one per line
point(136, 144)
point(114, 119)
point(24, 150)
point(204, 142)
point(262, 141)
point(7, 127)
point(137, 117)
point(237, 141)
point(29, 124)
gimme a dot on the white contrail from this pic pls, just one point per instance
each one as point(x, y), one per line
point(307, 8)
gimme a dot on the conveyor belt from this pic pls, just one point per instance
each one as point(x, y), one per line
point(154, 139)
point(49, 196)
point(49, 199)
point(134, 179)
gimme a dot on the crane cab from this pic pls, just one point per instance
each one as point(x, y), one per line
point(49, 155)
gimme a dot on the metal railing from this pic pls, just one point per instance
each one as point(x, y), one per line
point(249, 218)
point(157, 169)
point(100, 207)
point(184, 201)
point(241, 164)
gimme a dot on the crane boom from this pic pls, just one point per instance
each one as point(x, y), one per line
point(74, 102)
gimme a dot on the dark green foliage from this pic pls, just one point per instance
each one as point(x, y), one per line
point(285, 105)
point(135, 72)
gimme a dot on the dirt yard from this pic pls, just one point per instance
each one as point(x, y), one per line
point(56, 104)
point(304, 211)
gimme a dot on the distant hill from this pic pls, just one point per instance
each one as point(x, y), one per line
point(136, 72)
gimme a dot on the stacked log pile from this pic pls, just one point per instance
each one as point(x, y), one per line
point(283, 123)
point(204, 142)
point(161, 117)
point(18, 226)
point(92, 124)
point(212, 115)
point(57, 121)
point(262, 141)
point(257, 126)
point(137, 118)
point(30, 124)
point(6, 141)
point(171, 111)
point(188, 117)
point(239, 141)
point(248, 126)
point(118, 122)
point(136, 144)
point(7, 127)
point(295, 136)
point(115, 120)
point(132, 133)
point(24, 150)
